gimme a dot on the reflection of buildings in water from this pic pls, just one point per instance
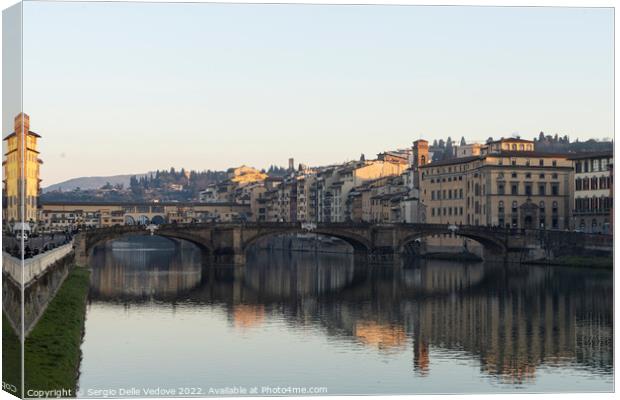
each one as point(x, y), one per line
point(511, 319)
point(451, 244)
point(301, 274)
point(514, 328)
point(442, 278)
point(248, 316)
point(382, 336)
point(421, 356)
point(144, 267)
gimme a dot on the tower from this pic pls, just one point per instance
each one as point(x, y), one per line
point(21, 172)
point(420, 153)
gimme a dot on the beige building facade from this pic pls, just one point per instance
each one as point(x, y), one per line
point(519, 189)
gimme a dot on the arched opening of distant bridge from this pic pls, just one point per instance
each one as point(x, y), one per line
point(89, 241)
point(295, 238)
point(455, 241)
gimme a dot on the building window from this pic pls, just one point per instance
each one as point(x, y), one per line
point(554, 163)
point(528, 175)
point(528, 189)
point(594, 183)
point(541, 189)
point(500, 188)
point(555, 189)
point(514, 175)
point(578, 167)
point(514, 207)
point(514, 189)
point(541, 162)
point(500, 207)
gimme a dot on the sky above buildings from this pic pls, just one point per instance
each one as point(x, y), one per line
point(119, 88)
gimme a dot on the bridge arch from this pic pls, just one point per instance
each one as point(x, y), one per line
point(143, 220)
point(93, 240)
point(158, 220)
point(490, 244)
point(359, 243)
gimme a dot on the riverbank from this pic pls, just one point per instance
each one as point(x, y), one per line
point(11, 358)
point(578, 262)
point(52, 350)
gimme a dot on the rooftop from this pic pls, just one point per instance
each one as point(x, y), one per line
point(591, 154)
point(31, 133)
point(517, 140)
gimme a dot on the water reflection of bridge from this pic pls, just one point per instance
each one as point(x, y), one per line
point(511, 319)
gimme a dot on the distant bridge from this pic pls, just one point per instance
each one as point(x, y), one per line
point(376, 241)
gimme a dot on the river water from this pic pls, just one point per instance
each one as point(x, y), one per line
point(160, 320)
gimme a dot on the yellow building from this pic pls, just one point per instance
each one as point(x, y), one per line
point(21, 160)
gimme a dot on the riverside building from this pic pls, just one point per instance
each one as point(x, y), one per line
point(592, 198)
point(508, 188)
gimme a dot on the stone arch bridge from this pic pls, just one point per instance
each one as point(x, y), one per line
point(379, 241)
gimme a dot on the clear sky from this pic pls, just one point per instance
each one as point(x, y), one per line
point(130, 87)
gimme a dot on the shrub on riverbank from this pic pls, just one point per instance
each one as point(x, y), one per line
point(52, 350)
point(11, 357)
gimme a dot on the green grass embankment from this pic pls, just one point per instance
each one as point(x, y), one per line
point(11, 358)
point(52, 351)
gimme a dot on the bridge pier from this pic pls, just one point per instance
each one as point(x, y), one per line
point(81, 252)
point(239, 259)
